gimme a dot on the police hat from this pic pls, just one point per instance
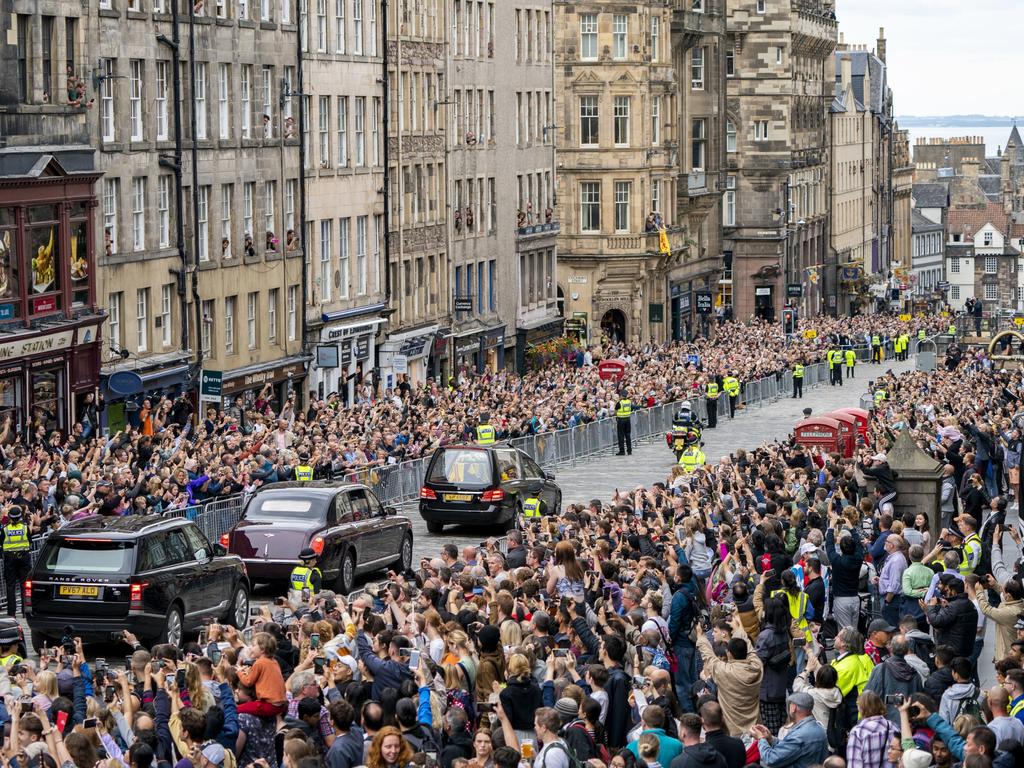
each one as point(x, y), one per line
point(307, 554)
point(9, 635)
point(14, 513)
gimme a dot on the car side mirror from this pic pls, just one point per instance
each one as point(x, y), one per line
point(219, 550)
point(390, 511)
point(549, 475)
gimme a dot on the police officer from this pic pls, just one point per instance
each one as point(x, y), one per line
point(692, 458)
point(17, 561)
point(711, 392)
point(952, 329)
point(798, 380)
point(305, 575)
point(876, 348)
point(304, 470)
point(533, 509)
point(970, 551)
point(623, 428)
point(851, 362)
point(731, 385)
point(9, 642)
point(879, 396)
point(922, 335)
point(485, 433)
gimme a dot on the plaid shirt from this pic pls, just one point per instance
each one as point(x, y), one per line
point(869, 743)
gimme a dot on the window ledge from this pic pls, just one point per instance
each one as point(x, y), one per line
point(232, 262)
point(222, 22)
point(268, 25)
point(273, 256)
point(202, 19)
point(139, 146)
point(249, 143)
point(246, 24)
point(252, 259)
point(140, 15)
point(208, 265)
point(112, 146)
point(109, 13)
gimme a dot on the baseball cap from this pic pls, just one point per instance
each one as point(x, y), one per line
point(878, 457)
point(807, 547)
point(215, 753)
point(880, 625)
point(802, 700)
point(916, 758)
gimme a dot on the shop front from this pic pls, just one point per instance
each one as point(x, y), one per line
point(49, 325)
point(158, 376)
point(44, 378)
point(492, 350)
point(407, 354)
point(529, 336)
point(280, 380)
point(346, 353)
point(681, 295)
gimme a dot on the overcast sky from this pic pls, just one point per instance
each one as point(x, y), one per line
point(945, 56)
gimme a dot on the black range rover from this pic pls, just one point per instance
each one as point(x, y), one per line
point(158, 577)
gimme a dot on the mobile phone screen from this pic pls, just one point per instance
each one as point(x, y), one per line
point(62, 720)
point(414, 659)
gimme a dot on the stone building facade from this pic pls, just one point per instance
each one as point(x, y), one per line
point(343, 59)
point(622, 150)
point(51, 326)
point(417, 250)
point(237, 299)
point(778, 98)
point(501, 224)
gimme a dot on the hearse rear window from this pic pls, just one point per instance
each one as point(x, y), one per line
point(271, 508)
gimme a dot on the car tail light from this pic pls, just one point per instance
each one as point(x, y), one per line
point(135, 596)
point(26, 598)
point(427, 493)
point(225, 540)
point(317, 544)
point(496, 494)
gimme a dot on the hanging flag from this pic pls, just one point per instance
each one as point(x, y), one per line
point(663, 245)
point(812, 275)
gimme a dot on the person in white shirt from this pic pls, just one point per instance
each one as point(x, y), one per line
point(554, 753)
point(1009, 731)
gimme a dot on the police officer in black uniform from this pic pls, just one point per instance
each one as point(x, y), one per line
point(623, 426)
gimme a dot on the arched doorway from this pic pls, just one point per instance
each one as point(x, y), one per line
point(613, 325)
point(560, 298)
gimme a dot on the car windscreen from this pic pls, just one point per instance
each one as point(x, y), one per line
point(462, 467)
point(279, 507)
point(86, 557)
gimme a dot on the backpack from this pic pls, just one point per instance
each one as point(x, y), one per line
point(601, 749)
point(573, 762)
point(970, 706)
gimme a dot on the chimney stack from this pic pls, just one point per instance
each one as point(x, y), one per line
point(970, 167)
point(881, 44)
point(846, 72)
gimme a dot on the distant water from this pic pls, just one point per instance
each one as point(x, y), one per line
point(994, 136)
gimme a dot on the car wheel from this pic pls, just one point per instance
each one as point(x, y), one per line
point(347, 573)
point(433, 527)
point(238, 613)
point(174, 627)
point(404, 561)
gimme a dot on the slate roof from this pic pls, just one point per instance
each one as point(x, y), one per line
point(864, 61)
point(931, 194)
point(992, 186)
point(1015, 139)
point(919, 223)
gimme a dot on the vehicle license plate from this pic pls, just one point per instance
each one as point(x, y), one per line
point(458, 497)
point(76, 591)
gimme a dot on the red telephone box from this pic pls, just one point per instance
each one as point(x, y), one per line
point(847, 432)
point(611, 370)
point(820, 431)
point(862, 417)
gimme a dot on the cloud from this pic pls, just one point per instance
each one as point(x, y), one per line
point(944, 56)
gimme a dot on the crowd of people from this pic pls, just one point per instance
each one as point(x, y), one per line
point(778, 608)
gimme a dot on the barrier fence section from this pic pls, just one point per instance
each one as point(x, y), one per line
point(399, 483)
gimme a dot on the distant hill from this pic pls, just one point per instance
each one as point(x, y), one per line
point(957, 120)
